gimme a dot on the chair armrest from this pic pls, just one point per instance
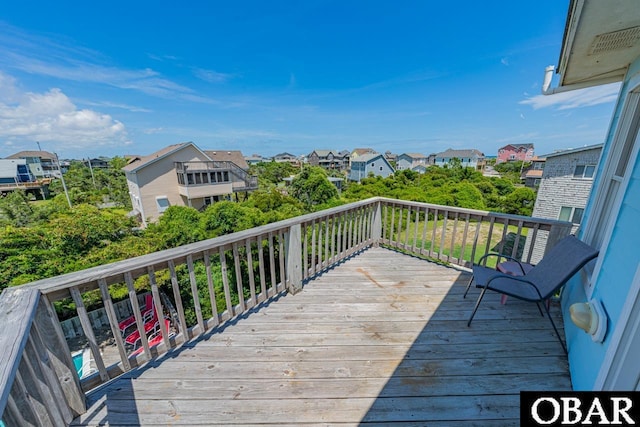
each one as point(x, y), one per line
point(490, 254)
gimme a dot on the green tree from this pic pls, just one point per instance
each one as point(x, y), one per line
point(520, 201)
point(272, 173)
point(15, 209)
point(178, 225)
point(228, 217)
point(312, 188)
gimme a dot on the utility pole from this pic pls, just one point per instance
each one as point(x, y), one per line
point(64, 186)
point(38, 142)
point(93, 178)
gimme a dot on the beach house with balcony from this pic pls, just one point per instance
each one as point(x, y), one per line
point(184, 175)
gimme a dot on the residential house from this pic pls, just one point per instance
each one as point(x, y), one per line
point(601, 46)
point(329, 159)
point(533, 175)
point(359, 152)
point(411, 160)
point(287, 158)
point(515, 152)
point(15, 171)
point(254, 159)
point(97, 163)
point(42, 164)
point(565, 188)
point(468, 158)
point(391, 157)
point(184, 175)
point(366, 164)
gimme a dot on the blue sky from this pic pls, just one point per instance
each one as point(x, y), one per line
point(87, 79)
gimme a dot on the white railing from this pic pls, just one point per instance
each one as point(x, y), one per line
point(194, 288)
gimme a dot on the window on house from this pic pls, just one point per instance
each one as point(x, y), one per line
point(162, 203)
point(568, 213)
point(190, 179)
point(380, 168)
point(512, 157)
point(584, 171)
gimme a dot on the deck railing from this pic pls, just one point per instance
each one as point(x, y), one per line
point(196, 287)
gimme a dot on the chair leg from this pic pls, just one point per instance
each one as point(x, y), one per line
point(477, 305)
point(468, 286)
point(539, 309)
point(564, 347)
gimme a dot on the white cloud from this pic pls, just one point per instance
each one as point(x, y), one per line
point(51, 116)
point(211, 76)
point(576, 98)
point(62, 59)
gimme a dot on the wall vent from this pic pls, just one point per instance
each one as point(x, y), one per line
point(615, 40)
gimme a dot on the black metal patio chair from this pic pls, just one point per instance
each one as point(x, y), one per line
point(558, 265)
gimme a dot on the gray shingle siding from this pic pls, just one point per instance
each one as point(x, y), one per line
point(560, 188)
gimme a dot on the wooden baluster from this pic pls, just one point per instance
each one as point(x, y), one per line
point(175, 287)
point(305, 252)
point(272, 263)
point(238, 270)
point(252, 280)
point(157, 302)
point(532, 245)
point(516, 242)
point(433, 234)
point(453, 238)
point(196, 296)
point(264, 293)
point(313, 247)
point(212, 293)
point(88, 332)
point(225, 282)
point(133, 299)
point(461, 260)
point(281, 260)
point(113, 323)
point(424, 230)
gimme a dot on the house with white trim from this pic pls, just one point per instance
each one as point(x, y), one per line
point(601, 45)
point(366, 164)
point(182, 175)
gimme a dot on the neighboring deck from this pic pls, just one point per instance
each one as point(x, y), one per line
point(381, 338)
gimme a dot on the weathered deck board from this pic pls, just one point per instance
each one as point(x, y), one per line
point(380, 339)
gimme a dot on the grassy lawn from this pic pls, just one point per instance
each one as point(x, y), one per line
point(437, 246)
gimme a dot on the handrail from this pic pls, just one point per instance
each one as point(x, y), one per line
point(237, 272)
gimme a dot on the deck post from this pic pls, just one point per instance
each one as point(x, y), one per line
point(376, 228)
point(293, 254)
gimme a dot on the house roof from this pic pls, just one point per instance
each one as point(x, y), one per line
point(361, 151)
point(601, 39)
point(41, 154)
point(365, 158)
point(527, 146)
point(534, 173)
point(234, 156)
point(325, 153)
point(414, 155)
point(460, 153)
point(575, 150)
point(137, 163)
point(285, 155)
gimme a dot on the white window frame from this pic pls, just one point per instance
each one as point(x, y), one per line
point(161, 208)
point(605, 208)
point(572, 213)
point(582, 175)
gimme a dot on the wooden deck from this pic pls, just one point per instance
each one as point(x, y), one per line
point(379, 340)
